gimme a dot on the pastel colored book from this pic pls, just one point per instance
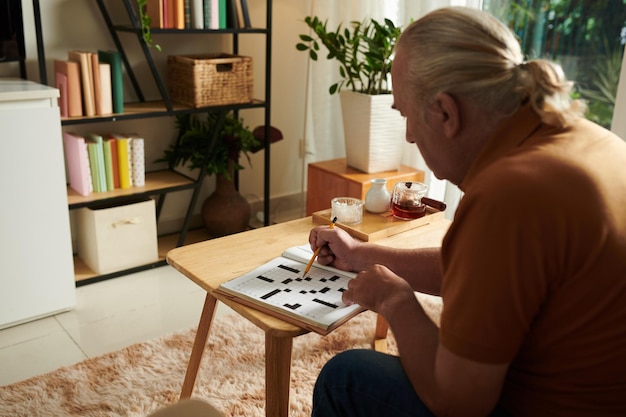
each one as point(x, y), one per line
point(95, 141)
point(61, 84)
point(280, 288)
point(97, 83)
point(114, 59)
point(92, 151)
point(123, 159)
point(179, 13)
point(108, 165)
point(106, 97)
point(111, 141)
point(215, 14)
point(77, 162)
point(74, 94)
point(197, 14)
point(138, 164)
point(83, 58)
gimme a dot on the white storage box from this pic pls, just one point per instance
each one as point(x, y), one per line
point(115, 238)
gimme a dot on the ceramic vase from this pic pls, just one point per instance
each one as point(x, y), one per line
point(225, 211)
point(378, 199)
point(374, 132)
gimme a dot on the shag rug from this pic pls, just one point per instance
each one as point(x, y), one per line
point(144, 377)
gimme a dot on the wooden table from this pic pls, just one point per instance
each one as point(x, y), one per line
point(212, 262)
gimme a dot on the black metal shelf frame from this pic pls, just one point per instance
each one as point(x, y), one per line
point(168, 110)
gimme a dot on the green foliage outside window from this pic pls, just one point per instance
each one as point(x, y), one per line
point(586, 37)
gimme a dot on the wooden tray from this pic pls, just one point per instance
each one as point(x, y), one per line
point(379, 226)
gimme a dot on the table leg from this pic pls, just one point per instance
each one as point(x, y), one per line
point(380, 335)
point(202, 334)
point(277, 375)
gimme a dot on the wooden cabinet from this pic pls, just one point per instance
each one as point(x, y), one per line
point(334, 178)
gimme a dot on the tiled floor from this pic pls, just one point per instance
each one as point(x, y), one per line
point(108, 316)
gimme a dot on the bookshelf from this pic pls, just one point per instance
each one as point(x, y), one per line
point(161, 183)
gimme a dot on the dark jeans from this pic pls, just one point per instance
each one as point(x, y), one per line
point(367, 383)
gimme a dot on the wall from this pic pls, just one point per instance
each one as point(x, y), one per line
point(74, 24)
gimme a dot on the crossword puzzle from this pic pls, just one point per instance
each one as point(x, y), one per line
point(282, 285)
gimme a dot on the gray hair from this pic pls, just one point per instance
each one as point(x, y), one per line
point(466, 52)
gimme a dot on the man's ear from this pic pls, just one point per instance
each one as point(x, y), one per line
point(447, 112)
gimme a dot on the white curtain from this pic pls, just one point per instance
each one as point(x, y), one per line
point(323, 125)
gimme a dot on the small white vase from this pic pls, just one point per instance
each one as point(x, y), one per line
point(378, 199)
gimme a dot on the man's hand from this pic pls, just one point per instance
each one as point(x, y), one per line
point(338, 248)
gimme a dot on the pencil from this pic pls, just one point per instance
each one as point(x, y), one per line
point(317, 252)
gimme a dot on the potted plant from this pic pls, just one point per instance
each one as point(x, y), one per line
point(364, 50)
point(214, 143)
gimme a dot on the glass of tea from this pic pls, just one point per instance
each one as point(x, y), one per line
point(406, 200)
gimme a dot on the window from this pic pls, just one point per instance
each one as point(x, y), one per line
point(585, 36)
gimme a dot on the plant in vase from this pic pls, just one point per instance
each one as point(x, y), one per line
point(215, 144)
point(364, 51)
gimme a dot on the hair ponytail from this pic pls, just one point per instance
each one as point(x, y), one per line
point(467, 52)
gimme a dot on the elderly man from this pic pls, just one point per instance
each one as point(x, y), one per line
point(532, 271)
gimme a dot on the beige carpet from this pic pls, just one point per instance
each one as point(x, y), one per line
point(146, 376)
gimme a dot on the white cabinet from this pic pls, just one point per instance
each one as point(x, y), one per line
point(36, 267)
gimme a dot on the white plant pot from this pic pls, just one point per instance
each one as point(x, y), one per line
point(374, 132)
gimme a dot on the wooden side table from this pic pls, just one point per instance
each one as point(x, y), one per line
point(334, 178)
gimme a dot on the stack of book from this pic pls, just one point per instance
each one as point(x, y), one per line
point(198, 14)
point(90, 83)
point(97, 163)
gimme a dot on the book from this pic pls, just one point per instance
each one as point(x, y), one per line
point(138, 163)
point(77, 162)
point(97, 83)
point(197, 14)
point(154, 10)
point(207, 10)
point(92, 152)
point(123, 158)
point(179, 13)
point(223, 13)
point(111, 141)
point(83, 58)
point(74, 94)
point(215, 14)
point(279, 288)
point(95, 145)
point(187, 7)
point(114, 59)
point(60, 81)
point(106, 94)
point(108, 164)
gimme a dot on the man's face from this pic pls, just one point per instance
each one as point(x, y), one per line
point(419, 129)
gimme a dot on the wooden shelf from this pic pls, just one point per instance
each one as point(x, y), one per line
point(157, 108)
point(157, 182)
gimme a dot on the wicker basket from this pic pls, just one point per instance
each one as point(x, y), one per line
point(210, 80)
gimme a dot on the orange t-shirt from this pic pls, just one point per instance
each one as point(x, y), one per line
point(534, 267)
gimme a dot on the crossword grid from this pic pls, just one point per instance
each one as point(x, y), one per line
point(283, 286)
